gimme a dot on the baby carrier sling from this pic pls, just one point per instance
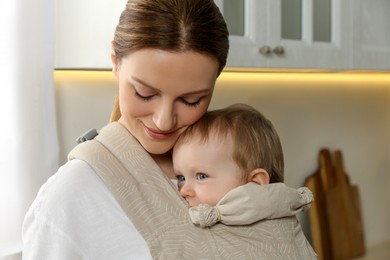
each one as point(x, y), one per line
point(155, 207)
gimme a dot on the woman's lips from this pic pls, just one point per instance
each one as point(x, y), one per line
point(158, 134)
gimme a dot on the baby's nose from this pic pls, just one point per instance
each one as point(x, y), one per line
point(187, 190)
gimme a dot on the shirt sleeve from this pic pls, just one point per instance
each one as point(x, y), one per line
point(44, 240)
point(74, 216)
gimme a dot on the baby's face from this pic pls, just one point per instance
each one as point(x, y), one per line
point(206, 171)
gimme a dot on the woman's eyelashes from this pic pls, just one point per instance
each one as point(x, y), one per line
point(183, 100)
point(190, 103)
point(145, 98)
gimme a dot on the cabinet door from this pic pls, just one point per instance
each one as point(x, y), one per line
point(310, 34)
point(246, 20)
point(372, 34)
point(291, 33)
point(84, 32)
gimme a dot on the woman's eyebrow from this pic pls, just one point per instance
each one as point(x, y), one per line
point(144, 83)
point(200, 91)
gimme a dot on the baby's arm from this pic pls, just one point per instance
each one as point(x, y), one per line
point(251, 203)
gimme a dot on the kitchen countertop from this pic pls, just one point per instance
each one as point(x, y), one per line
point(377, 252)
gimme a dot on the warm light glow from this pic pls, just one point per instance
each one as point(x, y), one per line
point(294, 78)
point(85, 76)
point(265, 76)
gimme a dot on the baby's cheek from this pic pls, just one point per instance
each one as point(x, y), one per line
point(210, 196)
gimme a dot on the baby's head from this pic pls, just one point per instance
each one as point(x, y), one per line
point(236, 144)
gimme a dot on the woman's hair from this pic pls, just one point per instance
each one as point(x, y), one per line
point(171, 25)
point(256, 142)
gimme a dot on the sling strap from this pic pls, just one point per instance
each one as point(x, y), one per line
point(155, 207)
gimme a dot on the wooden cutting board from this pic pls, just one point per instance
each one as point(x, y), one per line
point(317, 213)
point(335, 216)
point(344, 215)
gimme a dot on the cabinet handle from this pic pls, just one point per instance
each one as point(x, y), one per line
point(265, 50)
point(279, 50)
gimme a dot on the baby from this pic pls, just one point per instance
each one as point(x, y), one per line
point(229, 167)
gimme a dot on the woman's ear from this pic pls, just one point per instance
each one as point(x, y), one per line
point(259, 176)
point(115, 62)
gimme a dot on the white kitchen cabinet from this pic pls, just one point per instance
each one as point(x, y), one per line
point(84, 32)
point(372, 34)
point(320, 34)
point(289, 33)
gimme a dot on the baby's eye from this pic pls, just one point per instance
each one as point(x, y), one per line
point(181, 178)
point(201, 176)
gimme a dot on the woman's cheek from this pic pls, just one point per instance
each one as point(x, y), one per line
point(190, 116)
point(131, 106)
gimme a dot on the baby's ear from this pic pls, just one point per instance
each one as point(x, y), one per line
point(259, 176)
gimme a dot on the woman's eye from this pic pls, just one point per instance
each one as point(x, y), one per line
point(145, 98)
point(190, 103)
point(181, 178)
point(201, 176)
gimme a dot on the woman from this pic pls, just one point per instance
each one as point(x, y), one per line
point(167, 55)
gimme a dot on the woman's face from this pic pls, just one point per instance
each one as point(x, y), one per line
point(161, 93)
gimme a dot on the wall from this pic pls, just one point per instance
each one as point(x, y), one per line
point(346, 111)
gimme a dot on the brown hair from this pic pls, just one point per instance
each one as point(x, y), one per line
point(256, 142)
point(171, 25)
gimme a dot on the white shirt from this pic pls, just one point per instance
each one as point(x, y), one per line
point(74, 216)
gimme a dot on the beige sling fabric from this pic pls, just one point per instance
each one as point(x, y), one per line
point(155, 207)
point(251, 202)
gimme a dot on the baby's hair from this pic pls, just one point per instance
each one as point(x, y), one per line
point(256, 142)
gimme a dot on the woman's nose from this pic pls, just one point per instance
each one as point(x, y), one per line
point(164, 117)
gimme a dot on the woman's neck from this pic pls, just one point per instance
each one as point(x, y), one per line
point(164, 161)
